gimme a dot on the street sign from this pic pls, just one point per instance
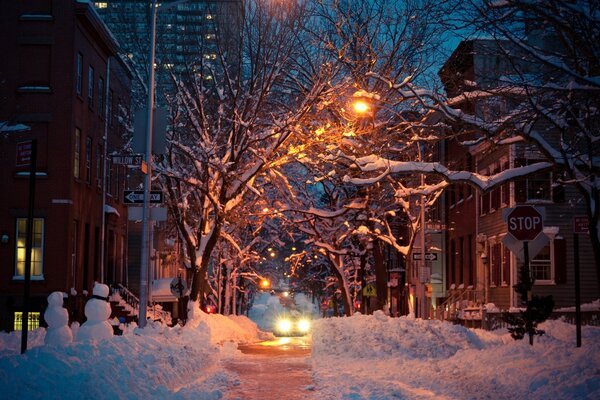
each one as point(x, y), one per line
point(137, 197)
point(428, 256)
point(370, 291)
point(524, 222)
point(581, 224)
point(178, 287)
point(129, 159)
point(24, 153)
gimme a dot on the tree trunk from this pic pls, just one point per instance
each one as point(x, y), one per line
point(343, 286)
point(380, 274)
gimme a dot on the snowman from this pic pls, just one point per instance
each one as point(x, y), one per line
point(97, 312)
point(57, 318)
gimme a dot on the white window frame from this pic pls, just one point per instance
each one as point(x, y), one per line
point(550, 281)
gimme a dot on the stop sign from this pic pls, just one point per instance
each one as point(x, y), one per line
point(525, 222)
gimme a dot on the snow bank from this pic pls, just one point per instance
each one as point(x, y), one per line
point(150, 363)
point(377, 357)
point(154, 362)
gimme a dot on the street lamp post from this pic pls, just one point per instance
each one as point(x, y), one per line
point(146, 222)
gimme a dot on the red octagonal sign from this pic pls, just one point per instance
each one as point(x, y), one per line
point(525, 222)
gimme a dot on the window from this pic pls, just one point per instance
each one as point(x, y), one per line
point(77, 154)
point(99, 157)
point(109, 111)
point(536, 187)
point(37, 248)
point(541, 266)
point(79, 74)
point(33, 320)
point(495, 264)
point(101, 96)
point(91, 86)
point(500, 265)
point(88, 159)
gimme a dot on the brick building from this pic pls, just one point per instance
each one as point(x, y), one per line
point(61, 79)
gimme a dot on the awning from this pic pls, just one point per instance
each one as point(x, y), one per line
point(111, 210)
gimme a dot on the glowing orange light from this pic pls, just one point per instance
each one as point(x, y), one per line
point(361, 106)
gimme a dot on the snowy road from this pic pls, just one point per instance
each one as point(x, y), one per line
point(277, 369)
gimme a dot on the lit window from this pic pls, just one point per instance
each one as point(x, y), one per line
point(32, 323)
point(209, 16)
point(37, 248)
point(101, 4)
point(210, 36)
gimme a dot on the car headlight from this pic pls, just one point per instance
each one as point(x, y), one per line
point(284, 325)
point(304, 325)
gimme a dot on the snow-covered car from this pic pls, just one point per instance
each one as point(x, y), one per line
point(292, 324)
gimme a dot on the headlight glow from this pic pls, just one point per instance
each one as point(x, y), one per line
point(304, 325)
point(284, 325)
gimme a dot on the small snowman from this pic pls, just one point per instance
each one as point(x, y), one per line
point(97, 312)
point(57, 318)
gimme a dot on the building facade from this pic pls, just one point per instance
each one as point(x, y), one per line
point(65, 86)
point(483, 260)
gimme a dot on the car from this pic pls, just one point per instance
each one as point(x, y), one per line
point(292, 324)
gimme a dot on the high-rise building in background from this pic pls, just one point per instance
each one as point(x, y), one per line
point(190, 38)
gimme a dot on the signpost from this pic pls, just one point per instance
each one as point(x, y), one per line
point(24, 151)
point(428, 256)
point(137, 197)
point(178, 287)
point(580, 226)
point(525, 223)
point(370, 290)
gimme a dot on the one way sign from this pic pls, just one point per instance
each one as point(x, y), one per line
point(137, 197)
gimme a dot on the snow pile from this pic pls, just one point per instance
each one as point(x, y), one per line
point(412, 338)
point(377, 357)
point(154, 362)
point(151, 363)
point(232, 328)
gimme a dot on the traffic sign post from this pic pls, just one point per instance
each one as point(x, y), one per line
point(525, 223)
point(580, 225)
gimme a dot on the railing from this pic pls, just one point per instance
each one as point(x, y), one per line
point(458, 299)
point(154, 312)
point(128, 297)
point(494, 320)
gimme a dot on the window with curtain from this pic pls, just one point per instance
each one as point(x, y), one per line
point(37, 248)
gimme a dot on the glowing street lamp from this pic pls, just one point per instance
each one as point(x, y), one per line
point(361, 106)
point(265, 284)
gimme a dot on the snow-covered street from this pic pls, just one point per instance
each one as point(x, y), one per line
point(360, 357)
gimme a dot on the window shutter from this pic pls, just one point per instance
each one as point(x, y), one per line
point(560, 260)
point(520, 183)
